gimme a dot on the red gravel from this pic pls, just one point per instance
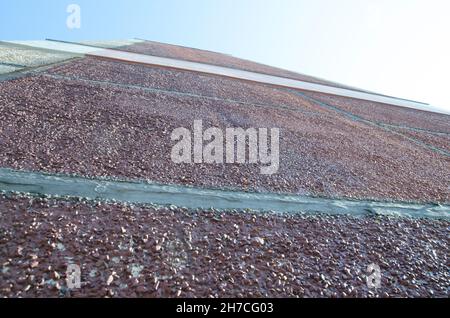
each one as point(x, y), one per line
point(441, 141)
point(219, 59)
point(74, 127)
point(168, 253)
point(181, 81)
point(387, 114)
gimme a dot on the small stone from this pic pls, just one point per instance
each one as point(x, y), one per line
point(141, 289)
point(110, 280)
point(258, 240)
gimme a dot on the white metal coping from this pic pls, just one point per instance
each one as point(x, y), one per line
point(223, 71)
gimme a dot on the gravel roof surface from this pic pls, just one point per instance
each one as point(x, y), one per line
point(30, 57)
point(181, 81)
point(220, 59)
point(129, 251)
point(388, 114)
point(7, 69)
point(95, 117)
point(441, 141)
point(247, 92)
point(72, 126)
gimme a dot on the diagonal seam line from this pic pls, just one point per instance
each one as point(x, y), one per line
point(421, 130)
point(30, 70)
point(376, 124)
point(176, 93)
point(385, 127)
point(133, 86)
point(12, 64)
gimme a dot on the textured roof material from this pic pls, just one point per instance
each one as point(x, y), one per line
point(224, 71)
point(91, 126)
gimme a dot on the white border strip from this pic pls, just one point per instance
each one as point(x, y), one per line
point(225, 71)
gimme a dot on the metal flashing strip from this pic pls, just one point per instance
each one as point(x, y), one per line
point(139, 192)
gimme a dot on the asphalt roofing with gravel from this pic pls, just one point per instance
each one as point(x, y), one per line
point(220, 59)
point(71, 126)
point(96, 118)
point(28, 56)
point(137, 251)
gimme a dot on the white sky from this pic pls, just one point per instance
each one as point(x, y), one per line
point(395, 47)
